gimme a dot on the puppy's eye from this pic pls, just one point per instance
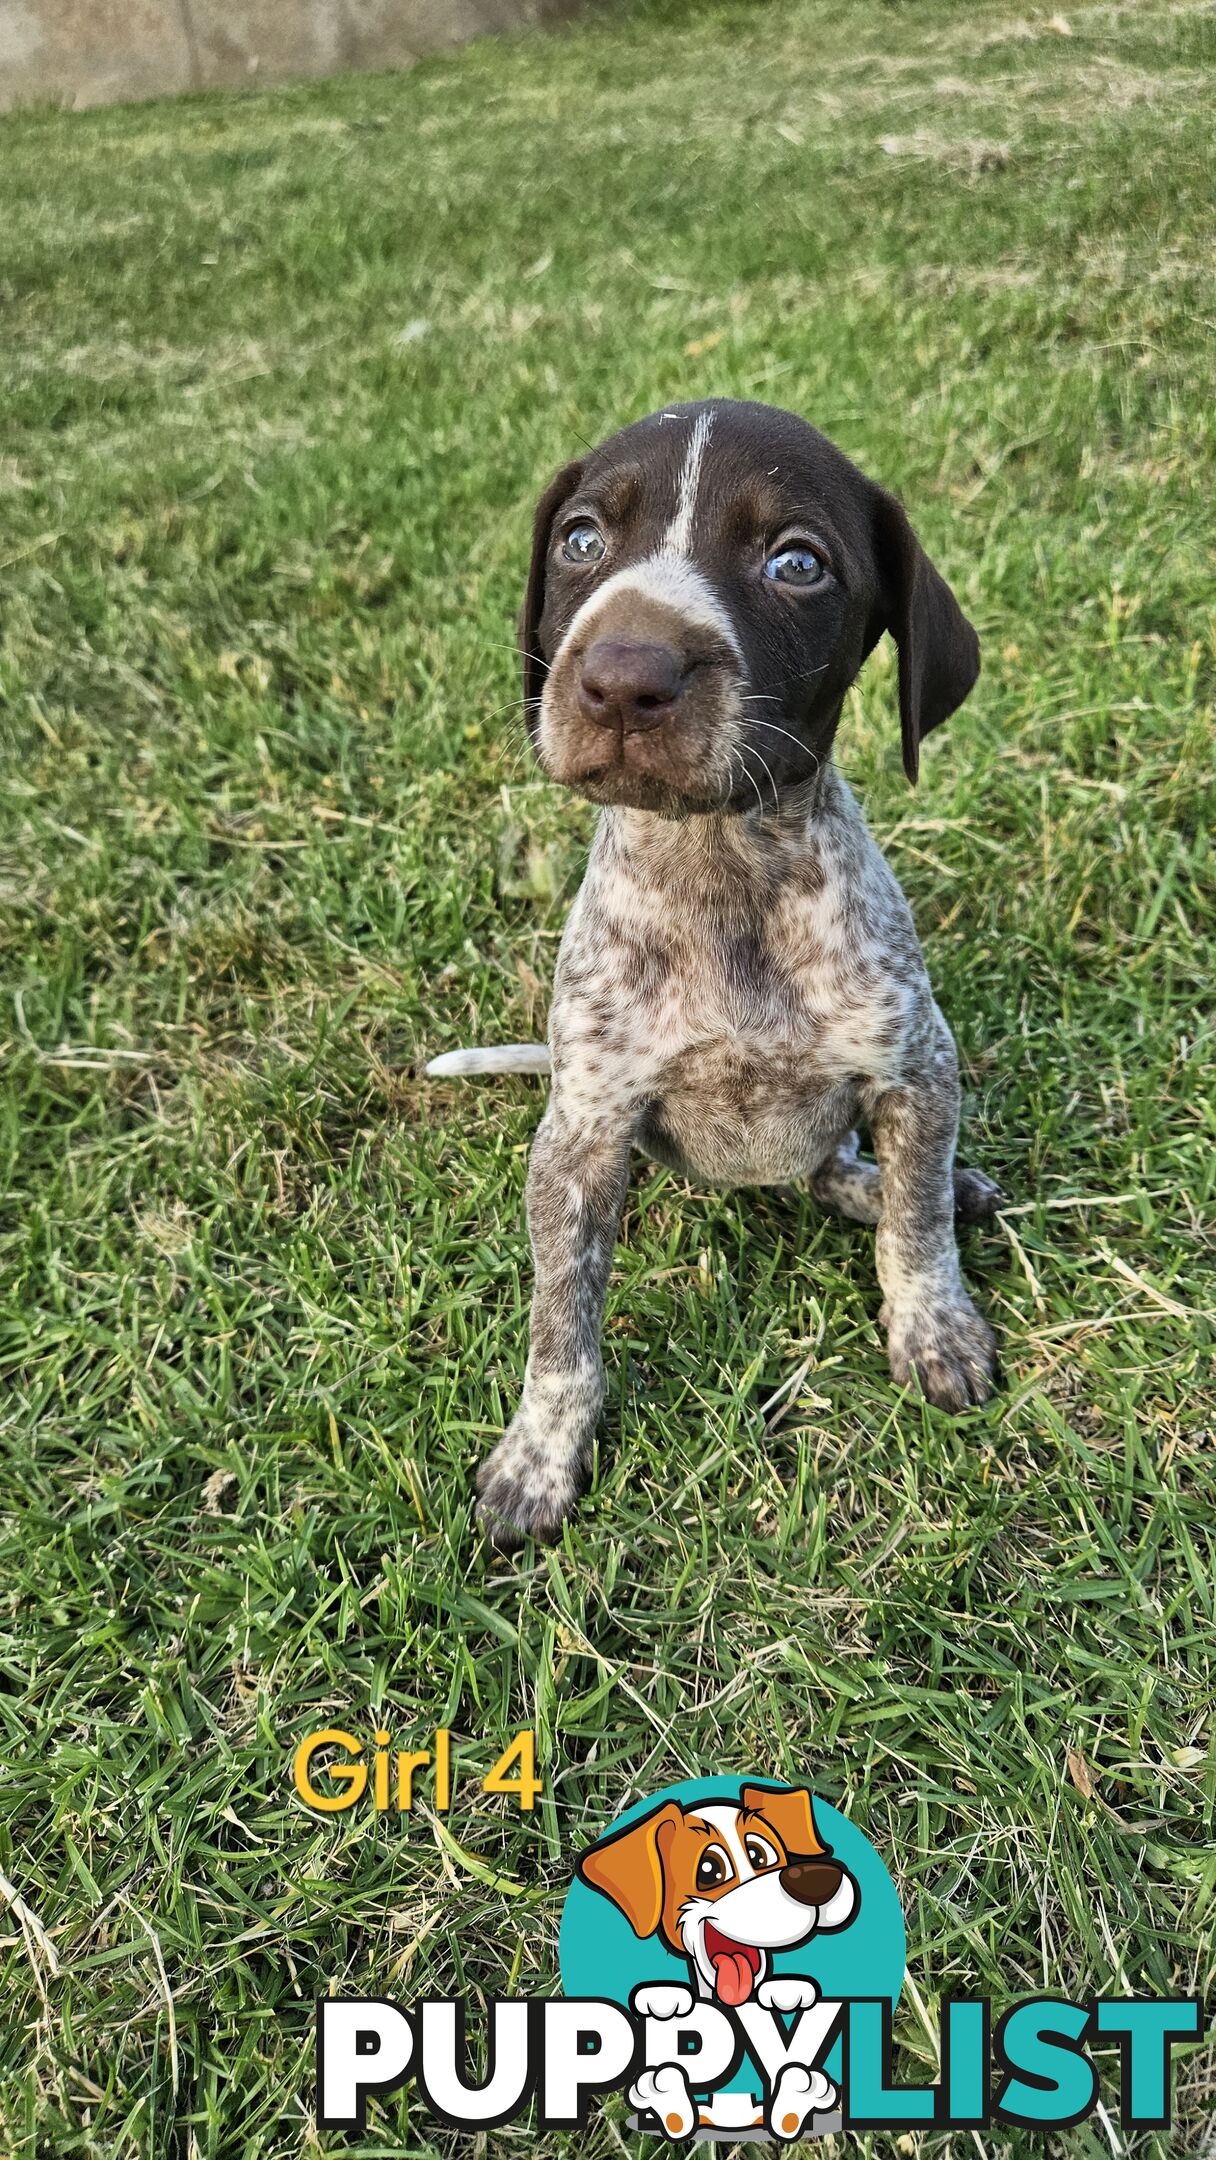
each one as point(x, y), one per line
point(584, 544)
point(713, 1868)
point(760, 1853)
point(795, 564)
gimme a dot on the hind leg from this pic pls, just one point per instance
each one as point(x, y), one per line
point(850, 1187)
point(847, 1185)
point(976, 1197)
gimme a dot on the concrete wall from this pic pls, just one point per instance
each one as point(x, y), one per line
point(88, 52)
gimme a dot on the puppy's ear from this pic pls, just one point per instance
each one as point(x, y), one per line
point(939, 652)
point(535, 667)
point(628, 1868)
point(791, 1815)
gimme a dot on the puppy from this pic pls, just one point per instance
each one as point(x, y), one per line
point(724, 1886)
point(739, 983)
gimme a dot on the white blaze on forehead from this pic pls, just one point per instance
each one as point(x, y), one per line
point(669, 581)
point(678, 537)
point(725, 1821)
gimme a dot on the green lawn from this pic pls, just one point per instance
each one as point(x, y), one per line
point(282, 375)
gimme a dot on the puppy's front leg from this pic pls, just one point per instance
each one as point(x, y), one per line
point(577, 1177)
point(934, 1333)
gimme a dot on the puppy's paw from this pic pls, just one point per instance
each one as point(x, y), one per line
point(662, 2000)
point(945, 1348)
point(798, 2093)
point(788, 1991)
point(664, 2092)
point(976, 1197)
point(526, 1489)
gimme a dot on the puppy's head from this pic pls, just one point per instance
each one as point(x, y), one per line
point(704, 587)
point(725, 1884)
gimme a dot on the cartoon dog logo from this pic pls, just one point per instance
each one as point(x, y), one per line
point(725, 1886)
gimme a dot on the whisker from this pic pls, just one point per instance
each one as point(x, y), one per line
point(748, 774)
point(512, 705)
point(770, 697)
point(802, 747)
point(521, 652)
point(522, 750)
point(773, 729)
point(518, 744)
point(768, 772)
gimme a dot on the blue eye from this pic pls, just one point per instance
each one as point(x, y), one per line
point(584, 544)
point(796, 565)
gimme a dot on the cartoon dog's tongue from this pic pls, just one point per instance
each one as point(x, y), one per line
point(736, 1966)
point(732, 1977)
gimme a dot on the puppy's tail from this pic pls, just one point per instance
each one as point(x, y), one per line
point(508, 1058)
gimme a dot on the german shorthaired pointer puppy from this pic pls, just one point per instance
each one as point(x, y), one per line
point(739, 982)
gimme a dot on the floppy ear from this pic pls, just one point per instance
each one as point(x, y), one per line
point(628, 1868)
point(791, 1816)
point(535, 668)
point(939, 652)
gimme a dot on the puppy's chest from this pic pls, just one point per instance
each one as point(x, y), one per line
point(804, 991)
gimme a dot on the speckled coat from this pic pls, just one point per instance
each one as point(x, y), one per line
point(740, 983)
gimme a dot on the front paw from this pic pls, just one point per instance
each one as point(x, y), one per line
point(662, 1999)
point(787, 1992)
point(664, 2092)
point(798, 2094)
point(527, 1488)
point(943, 1346)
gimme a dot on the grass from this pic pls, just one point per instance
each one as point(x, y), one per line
point(283, 373)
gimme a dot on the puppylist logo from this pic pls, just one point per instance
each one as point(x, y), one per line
point(731, 1956)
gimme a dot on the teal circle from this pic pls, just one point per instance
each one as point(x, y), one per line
point(599, 1954)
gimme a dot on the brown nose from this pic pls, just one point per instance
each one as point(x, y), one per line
point(812, 1882)
point(628, 686)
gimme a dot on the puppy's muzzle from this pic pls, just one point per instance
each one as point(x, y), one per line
point(629, 686)
point(812, 1882)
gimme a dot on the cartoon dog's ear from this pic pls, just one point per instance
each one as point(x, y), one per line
point(628, 1868)
point(939, 652)
point(535, 666)
point(792, 1817)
